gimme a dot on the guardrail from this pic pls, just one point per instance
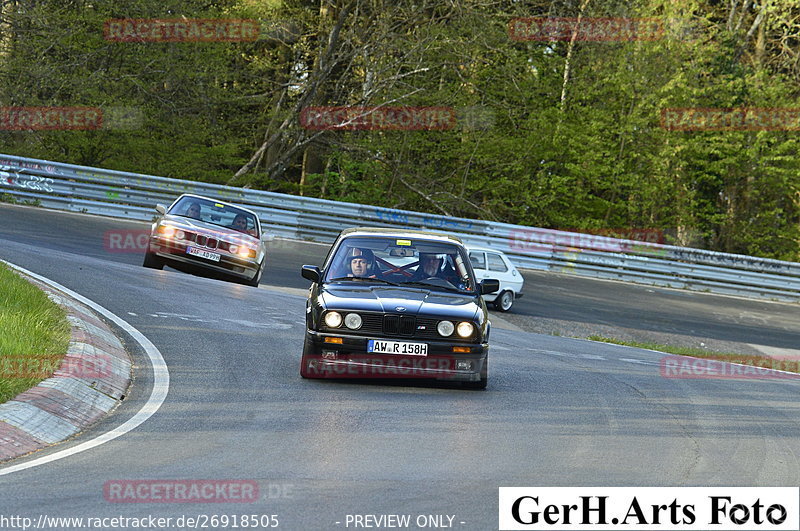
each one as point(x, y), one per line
point(133, 196)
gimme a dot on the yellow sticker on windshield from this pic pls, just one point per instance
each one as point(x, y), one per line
point(403, 242)
point(218, 205)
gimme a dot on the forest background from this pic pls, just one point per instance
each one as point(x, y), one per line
point(561, 133)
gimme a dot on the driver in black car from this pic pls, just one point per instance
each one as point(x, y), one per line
point(361, 263)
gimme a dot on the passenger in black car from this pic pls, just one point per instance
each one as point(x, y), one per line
point(433, 265)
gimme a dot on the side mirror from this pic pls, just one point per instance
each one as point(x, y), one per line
point(161, 209)
point(489, 285)
point(312, 273)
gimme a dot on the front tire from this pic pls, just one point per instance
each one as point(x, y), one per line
point(152, 261)
point(256, 280)
point(504, 301)
point(307, 347)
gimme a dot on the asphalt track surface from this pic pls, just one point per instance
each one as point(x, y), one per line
point(558, 411)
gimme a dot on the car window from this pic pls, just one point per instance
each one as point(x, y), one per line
point(401, 261)
point(478, 260)
point(496, 262)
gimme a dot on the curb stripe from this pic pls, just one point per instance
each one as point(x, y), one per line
point(14, 442)
point(78, 389)
point(61, 405)
point(37, 422)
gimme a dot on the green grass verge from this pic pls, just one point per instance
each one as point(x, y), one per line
point(34, 335)
point(731, 357)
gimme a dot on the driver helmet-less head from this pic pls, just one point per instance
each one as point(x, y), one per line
point(360, 262)
point(193, 210)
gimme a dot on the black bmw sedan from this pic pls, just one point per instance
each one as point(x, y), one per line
point(397, 304)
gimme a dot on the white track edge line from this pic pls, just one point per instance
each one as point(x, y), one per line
point(157, 396)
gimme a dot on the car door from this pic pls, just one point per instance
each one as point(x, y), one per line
point(498, 269)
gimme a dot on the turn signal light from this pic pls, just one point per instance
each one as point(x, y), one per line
point(461, 349)
point(166, 230)
point(338, 340)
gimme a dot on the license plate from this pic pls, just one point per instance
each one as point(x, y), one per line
point(203, 254)
point(380, 346)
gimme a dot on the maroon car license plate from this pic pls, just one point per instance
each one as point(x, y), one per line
point(208, 255)
point(402, 348)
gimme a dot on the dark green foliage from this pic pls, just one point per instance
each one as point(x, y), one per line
point(597, 159)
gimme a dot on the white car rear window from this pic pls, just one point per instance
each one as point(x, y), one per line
point(496, 263)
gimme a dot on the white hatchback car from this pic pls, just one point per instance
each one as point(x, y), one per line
point(489, 263)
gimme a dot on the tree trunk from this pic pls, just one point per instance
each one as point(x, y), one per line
point(312, 164)
point(570, 48)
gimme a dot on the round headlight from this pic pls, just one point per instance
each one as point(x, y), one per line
point(333, 319)
point(465, 329)
point(233, 248)
point(179, 235)
point(352, 321)
point(445, 328)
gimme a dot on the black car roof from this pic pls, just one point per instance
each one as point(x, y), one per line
point(400, 233)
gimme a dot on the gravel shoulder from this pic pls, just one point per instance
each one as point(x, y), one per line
point(571, 306)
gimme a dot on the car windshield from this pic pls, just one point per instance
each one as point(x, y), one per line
point(216, 213)
point(401, 261)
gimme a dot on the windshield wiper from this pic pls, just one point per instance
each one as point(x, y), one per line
point(365, 278)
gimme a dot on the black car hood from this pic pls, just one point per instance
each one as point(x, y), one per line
point(387, 299)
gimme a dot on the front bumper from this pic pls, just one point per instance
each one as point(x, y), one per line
point(175, 251)
point(350, 359)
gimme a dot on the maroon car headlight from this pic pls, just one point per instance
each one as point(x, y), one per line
point(180, 235)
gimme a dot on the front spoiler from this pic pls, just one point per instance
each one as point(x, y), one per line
point(351, 360)
point(175, 252)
